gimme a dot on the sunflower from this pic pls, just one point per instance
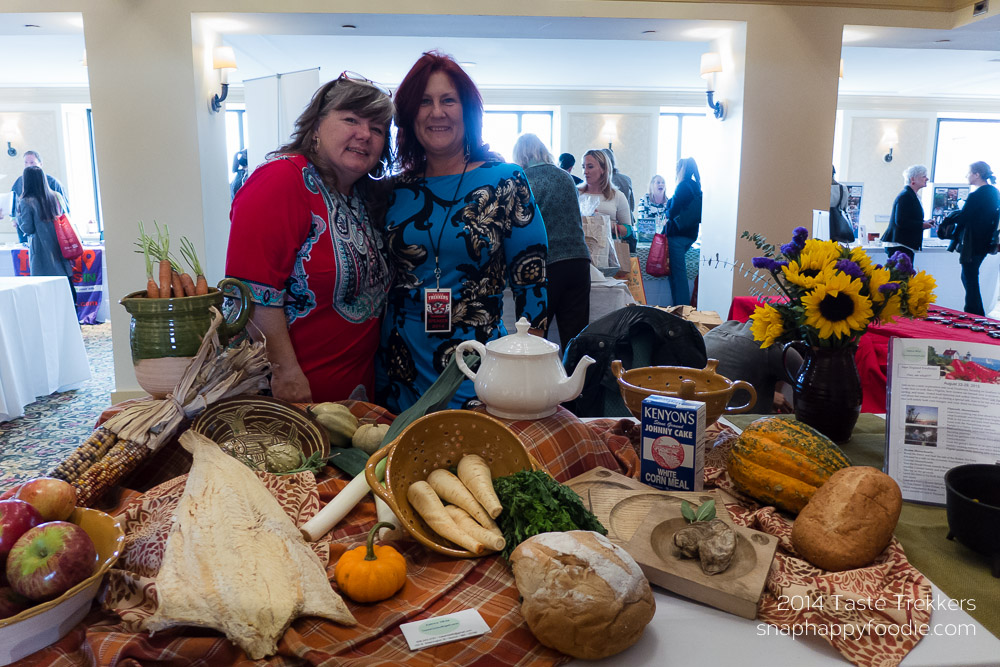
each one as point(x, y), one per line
point(861, 258)
point(876, 279)
point(817, 254)
point(893, 307)
point(767, 326)
point(806, 276)
point(837, 308)
point(919, 294)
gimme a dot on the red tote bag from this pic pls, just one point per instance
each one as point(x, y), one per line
point(69, 242)
point(658, 262)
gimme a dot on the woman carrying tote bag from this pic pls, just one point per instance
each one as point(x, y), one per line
point(36, 216)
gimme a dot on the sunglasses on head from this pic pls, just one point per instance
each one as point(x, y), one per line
point(354, 77)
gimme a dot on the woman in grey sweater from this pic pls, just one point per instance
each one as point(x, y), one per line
point(568, 264)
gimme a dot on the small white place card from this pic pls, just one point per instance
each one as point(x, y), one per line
point(444, 629)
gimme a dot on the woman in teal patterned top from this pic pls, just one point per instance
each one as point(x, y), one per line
point(461, 227)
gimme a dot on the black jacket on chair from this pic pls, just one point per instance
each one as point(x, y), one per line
point(906, 223)
point(638, 336)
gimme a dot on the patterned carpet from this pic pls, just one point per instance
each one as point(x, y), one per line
point(55, 425)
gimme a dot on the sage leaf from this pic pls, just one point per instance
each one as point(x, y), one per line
point(687, 512)
point(706, 511)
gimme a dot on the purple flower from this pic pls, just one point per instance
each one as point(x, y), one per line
point(800, 233)
point(889, 288)
point(901, 262)
point(850, 268)
point(768, 264)
point(790, 249)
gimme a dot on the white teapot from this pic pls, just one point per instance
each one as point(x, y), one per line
point(520, 375)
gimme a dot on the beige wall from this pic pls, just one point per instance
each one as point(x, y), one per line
point(634, 146)
point(151, 81)
point(41, 131)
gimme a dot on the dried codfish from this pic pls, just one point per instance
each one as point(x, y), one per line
point(712, 542)
point(235, 562)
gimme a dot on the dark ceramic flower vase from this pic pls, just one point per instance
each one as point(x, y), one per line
point(165, 334)
point(826, 390)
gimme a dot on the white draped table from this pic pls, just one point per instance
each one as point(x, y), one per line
point(41, 347)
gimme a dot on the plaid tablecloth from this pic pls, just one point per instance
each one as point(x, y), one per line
point(435, 584)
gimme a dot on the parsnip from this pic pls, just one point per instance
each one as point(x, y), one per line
point(492, 540)
point(475, 474)
point(429, 507)
point(450, 488)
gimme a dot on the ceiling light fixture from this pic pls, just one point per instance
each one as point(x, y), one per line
point(711, 64)
point(648, 32)
point(223, 59)
point(349, 26)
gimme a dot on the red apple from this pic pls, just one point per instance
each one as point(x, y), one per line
point(54, 498)
point(50, 559)
point(12, 602)
point(16, 518)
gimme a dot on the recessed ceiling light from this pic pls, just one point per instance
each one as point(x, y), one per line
point(31, 25)
point(941, 41)
point(348, 26)
point(648, 32)
point(467, 63)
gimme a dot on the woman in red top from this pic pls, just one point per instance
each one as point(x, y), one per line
point(303, 241)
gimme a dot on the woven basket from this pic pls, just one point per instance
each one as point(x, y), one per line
point(246, 426)
point(439, 440)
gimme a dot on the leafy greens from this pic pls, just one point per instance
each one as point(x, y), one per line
point(535, 503)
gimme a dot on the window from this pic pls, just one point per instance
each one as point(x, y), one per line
point(959, 143)
point(236, 136)
point(680, 135)
point(501, 129)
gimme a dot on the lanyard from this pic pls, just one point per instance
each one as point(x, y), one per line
point(447, 216)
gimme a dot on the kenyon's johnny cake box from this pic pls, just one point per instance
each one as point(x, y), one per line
point(673, 443)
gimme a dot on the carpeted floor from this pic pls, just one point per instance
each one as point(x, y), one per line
point(55, 425)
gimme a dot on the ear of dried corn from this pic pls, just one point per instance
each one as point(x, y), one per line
point(84, 456)
point(142, 428)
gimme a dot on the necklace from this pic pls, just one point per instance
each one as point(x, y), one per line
point(444, 223)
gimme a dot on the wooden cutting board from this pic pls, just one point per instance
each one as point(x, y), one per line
point(643, 521)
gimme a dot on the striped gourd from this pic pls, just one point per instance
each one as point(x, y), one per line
point(782, 462)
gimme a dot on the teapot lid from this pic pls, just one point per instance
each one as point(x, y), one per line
point(522, 343)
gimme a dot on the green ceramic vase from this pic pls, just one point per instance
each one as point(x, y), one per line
point(166, 333)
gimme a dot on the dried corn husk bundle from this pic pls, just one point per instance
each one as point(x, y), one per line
point(131, 436)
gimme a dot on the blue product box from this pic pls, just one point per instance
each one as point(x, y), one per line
point(673, 444)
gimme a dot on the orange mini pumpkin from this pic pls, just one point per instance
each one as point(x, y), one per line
point(371, 573)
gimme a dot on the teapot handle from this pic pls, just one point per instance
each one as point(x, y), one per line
point(470, 346)
point(229, 330)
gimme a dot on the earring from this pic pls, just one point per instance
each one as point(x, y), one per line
point(315, 142)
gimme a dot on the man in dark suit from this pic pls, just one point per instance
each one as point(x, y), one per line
point(906, 223)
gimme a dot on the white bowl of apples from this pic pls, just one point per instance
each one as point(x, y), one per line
point(53, 556)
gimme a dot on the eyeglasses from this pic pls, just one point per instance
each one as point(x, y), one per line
point(354, 77)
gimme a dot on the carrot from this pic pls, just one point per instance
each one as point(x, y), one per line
point(492, 540)
point(189, 253)
point(475, 474)
point(188, 284)
point(450, 488)
point(146, 245)
point(429, 507)
point(176, 284)
point(165, 271)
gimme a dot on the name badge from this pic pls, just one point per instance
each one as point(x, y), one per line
point(437, 310)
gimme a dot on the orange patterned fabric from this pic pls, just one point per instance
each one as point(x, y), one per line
point(435, 584)
point(873, 615)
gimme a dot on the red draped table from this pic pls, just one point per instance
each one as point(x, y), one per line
point(873, 348)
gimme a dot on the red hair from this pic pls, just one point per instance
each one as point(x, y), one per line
point(409, 153)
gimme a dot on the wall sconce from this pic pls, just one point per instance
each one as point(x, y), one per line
point(711, 63)
point(11, 151)
point(889, 138)
point(609, 132)
point(223, 59)
point(11, 130)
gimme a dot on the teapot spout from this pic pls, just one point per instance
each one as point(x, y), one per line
point(572, 386)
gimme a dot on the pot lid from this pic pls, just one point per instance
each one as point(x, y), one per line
point(522, 343)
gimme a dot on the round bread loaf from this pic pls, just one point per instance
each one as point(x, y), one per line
point(583, 595)
point(849, 520)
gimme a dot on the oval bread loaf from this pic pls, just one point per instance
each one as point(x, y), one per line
point(583, 595)
point(849, 520)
